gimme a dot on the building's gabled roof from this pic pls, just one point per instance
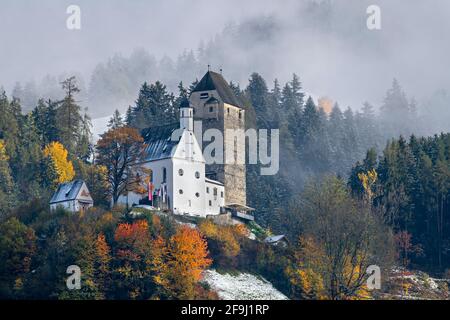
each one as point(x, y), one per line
point(159, 142)
point(67, 191)
point(274, 239)
point(214, 81)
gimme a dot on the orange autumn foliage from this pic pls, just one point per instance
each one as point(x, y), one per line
point(178, 264)
point(133, 239)
point(189, 253)
point(241, 230)
point(130, 233)
point(103, 250)
point(103, 259)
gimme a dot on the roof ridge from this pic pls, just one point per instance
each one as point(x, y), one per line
point(215, 81)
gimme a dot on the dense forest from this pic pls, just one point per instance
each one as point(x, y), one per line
point(351, 192)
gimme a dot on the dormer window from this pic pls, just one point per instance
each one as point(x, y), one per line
point(204, 95)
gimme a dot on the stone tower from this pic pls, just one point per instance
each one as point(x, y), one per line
point(216, 105)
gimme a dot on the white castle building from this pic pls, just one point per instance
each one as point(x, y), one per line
point(178, 171)
point(181, 181)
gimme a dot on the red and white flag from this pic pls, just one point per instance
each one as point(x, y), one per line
point(150, 191)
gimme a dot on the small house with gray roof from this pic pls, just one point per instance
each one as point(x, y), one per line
point(73, 196)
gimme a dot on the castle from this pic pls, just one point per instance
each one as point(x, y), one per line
point(181, 180)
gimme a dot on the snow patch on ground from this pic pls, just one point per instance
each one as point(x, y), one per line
point(414, 284)
point(242, 287)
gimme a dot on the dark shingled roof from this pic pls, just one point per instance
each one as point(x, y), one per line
point(185, 103)
point(214, 81)
point(158, 141)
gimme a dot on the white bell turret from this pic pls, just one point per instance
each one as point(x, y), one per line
point(186, 116)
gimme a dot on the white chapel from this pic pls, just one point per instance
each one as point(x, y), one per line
point(178, 178)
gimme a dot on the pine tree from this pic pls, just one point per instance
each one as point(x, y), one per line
point(7, 190)
point(115, 121)
point(336, 132)
point(182, 95)
point(395, 111)
point(10, 126)
point(276, 94)
point(129, 116)
point(30, 155)
point(70, 120)
point(192, 86)
point(154, 107)
point(296, 87)
point(258, 95)
point(84, 144)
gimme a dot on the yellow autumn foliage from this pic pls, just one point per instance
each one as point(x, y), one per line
point(368, 180)
point(64, 167)
point(3, 155)
point(227, 236)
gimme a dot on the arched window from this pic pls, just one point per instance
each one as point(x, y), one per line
point(164, 178)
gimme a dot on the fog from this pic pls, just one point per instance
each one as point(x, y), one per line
point(326, 43)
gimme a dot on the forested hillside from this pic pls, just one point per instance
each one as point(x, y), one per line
point(341, 206)
point(412, 192)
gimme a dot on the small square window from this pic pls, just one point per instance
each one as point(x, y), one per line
point(204, 95)
point(211, 109)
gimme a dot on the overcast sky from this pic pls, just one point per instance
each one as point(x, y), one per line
point(335, 56)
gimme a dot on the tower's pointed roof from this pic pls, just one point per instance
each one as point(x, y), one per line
point(185, 103)
point(215, 81)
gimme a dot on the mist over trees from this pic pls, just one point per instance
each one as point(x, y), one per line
point(355, 63)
